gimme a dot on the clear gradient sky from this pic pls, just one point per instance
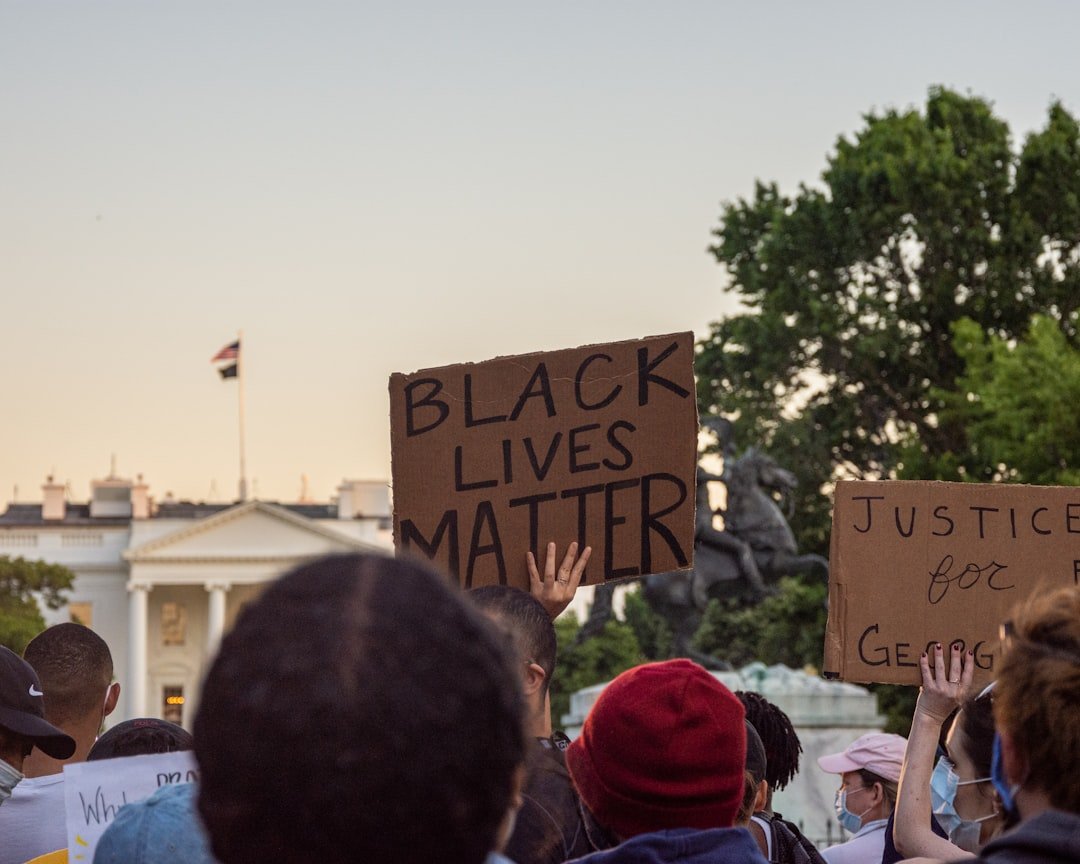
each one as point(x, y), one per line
point(375, 187)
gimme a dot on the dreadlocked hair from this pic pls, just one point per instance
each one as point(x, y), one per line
point(782, 745)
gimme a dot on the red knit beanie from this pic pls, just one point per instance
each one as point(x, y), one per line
point(663, 747)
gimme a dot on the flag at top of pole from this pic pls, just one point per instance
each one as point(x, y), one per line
point(231, 352)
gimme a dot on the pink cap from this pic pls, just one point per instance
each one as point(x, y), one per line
point(881, 753)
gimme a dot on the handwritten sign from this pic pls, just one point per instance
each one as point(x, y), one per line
point(95, 791)
point(915, 563)
point(595, 444)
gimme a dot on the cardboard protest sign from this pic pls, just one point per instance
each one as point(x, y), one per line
point(915, 563)
point(595, 444)
point(95, 791)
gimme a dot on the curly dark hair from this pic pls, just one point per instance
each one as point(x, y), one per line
point(360, 710)
point(782, 745)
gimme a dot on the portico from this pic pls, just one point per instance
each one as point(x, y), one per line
point(189, 580)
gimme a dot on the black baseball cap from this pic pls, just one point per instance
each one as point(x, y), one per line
point(22, 708)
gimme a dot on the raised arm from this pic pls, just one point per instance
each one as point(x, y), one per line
point(555, 589)
point(941, 693)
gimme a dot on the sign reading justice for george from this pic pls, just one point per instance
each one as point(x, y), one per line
point(595, 444)
point(915, 563)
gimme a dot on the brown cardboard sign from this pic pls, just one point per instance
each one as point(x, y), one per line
point(596, 444)
point(914, 563)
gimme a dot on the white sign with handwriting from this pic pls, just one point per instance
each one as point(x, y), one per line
point(95, 791)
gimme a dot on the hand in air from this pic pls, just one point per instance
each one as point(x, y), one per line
point(944, 691)
point(557, 588)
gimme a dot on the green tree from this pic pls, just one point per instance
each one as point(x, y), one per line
point(1020, 402)
point(22, 582)
point(615, 649)
point(787, 627)
point(839, 363)
point(651, 631)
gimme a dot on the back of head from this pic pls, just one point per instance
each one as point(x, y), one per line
point(663, 747)
point(75, 668)
point(161, 829)
point(139, 737)
point(360, 710)
point(756, 769)
point(977, 723)
point(1038, 691)
point(527, 621)
point(782, 745)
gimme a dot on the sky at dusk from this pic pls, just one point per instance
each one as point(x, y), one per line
point(366, 188)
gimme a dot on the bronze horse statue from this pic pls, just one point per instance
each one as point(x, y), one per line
point(756, 547)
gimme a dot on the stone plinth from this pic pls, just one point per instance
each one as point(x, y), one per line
point(827, 716)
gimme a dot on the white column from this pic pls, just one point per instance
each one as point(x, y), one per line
point(138, 594)
point(215, 620)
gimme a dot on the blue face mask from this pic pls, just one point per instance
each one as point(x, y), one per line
point(850, 822)
point(1006, 791)
point(944, 782)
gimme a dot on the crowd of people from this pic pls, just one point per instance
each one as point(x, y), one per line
point(362, 709)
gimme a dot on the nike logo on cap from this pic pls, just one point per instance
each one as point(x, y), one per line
point(34, 692)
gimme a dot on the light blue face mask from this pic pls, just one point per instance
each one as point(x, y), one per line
point(943, 785)
point(850, 822)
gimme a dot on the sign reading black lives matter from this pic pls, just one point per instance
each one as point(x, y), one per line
point(914, 563)
point(595, 444)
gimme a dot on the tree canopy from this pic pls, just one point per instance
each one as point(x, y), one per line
point(1020, 402)
point(21, 583)
point(844, 363)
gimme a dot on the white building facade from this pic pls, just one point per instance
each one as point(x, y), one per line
point(161, 584)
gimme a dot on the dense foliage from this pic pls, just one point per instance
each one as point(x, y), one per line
point(22, 582)
point(844, 363)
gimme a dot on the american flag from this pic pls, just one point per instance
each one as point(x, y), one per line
point(229, 352)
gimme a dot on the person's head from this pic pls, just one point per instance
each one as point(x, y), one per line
point(869, 770)
point(139, 737)
point(161, 829)
point(782, 745)
point(962, 777)
point(1035, 703)
point(533, 634)
point(756, 793)
point(663, 747)
point(76, 670)
point(360, 710)
point(22, 715)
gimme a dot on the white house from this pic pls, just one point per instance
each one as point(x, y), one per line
point(162, 582)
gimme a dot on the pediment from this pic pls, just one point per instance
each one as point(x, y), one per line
point(252, 531)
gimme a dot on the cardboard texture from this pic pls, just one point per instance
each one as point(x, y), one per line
point(913, 563)
point(596, 444)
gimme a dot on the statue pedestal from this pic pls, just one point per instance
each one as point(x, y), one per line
point(827, 716)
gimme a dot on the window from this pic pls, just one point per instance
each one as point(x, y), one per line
point(172, 705)
point(82, 613)
point(173, 624)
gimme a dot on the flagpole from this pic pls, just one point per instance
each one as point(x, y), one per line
point(240, 385)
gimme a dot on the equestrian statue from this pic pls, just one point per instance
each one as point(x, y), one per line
point(753, 550)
